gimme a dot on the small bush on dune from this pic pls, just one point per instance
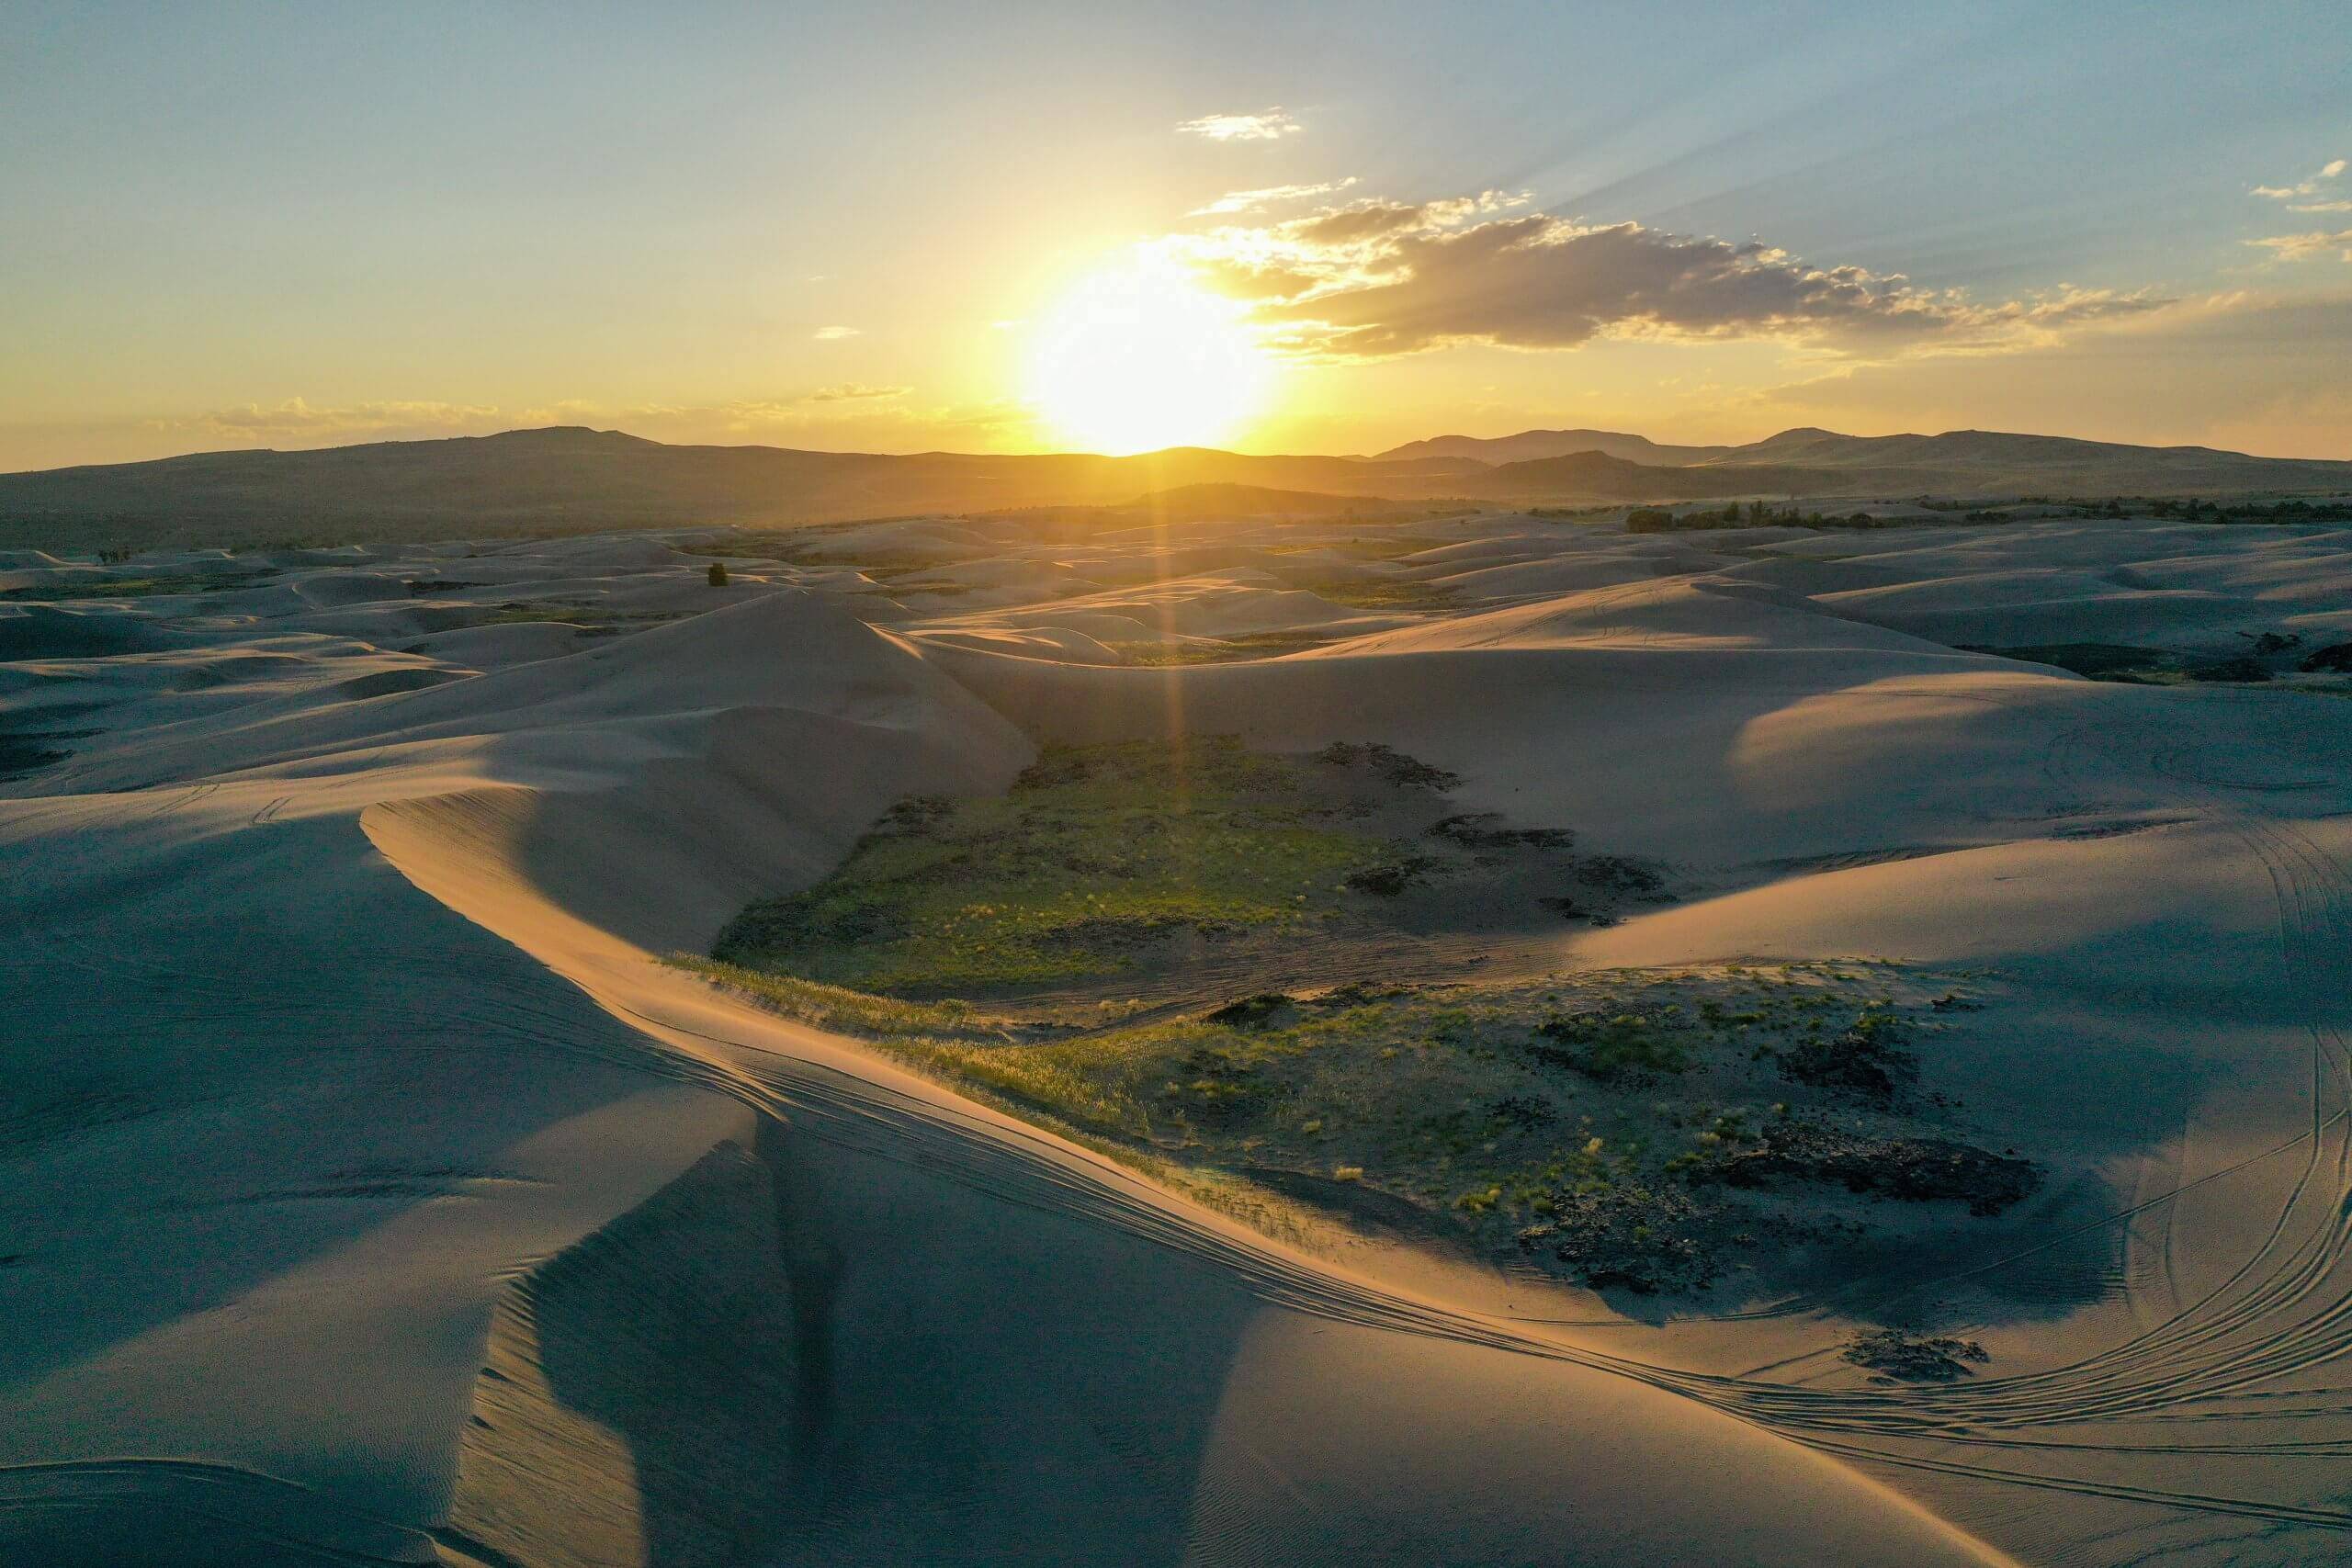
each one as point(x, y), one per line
point(2334, 660)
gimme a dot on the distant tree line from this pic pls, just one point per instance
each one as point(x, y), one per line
point(2186, 509)
point(1755, 514)
point(2192, 509)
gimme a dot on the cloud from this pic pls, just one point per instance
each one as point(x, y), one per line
point(1378, 278)
point(1240, 201)
point(835, 335)
point(2303, 247)
point(1371, 220)
point(854, 392)
point(2309, 196)
point(1363, 220)
point(2330, 170)
point(299, 418)
point(1271, 125)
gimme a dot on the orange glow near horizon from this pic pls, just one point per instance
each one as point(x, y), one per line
point(1137, 356)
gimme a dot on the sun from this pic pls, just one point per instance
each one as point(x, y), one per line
point(1138, 357)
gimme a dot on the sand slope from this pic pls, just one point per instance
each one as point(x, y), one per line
point(375, 1195)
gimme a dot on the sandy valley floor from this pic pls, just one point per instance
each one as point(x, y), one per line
point(375, 1191)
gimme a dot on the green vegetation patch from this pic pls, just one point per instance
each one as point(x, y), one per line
point(1403, 593)
point(1648, 1130)
point(27, 752)
point(1221, 650)
point(592, 619)
point(2099, 660)
point(1645, 1130)
point(138, 587)
point(1096, 854)
point(1391, 547)
point(2155, 667)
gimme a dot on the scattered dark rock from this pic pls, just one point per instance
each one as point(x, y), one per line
point(1617, 875)
point(1632, 1238)
point(1482, 830)
point(2336, 659)
point(1899, 1356)
point(1863, 1060)
point(1253, 1012)
point(438, 585)
point(2273, 642)
point(1915, 1169)
point(718, 574)
point(915, 814)
point(1388, 878)
point(1406, 773)
point(1522, 1111)
point(1357, 993)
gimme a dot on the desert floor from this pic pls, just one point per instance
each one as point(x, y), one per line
point(376, 1190)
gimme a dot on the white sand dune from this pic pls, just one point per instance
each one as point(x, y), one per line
point(376, 1195)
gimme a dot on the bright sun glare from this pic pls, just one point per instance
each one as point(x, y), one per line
point(1138, 357)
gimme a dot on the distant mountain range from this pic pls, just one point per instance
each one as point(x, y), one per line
point(1529, 445)
point(568, 479)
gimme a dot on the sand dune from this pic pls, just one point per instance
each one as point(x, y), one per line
point(376, 1194)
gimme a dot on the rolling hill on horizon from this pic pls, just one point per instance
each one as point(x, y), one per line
point(1534, 445)
point(568, 479)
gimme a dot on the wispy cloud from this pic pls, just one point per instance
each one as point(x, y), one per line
point(854, 392)
point(1242, 201)
point(835, 335)
point(2316, 186)
point(1377, 279)
point(2303, 247)
point(1269, 125)
point(2314, 194)
point(298, 418)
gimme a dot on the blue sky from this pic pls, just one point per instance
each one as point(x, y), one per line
point(294, 224)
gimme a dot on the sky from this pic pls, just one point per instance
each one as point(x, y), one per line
point(1276, 227)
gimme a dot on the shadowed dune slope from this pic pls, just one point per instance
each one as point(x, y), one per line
point(375, 1194)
